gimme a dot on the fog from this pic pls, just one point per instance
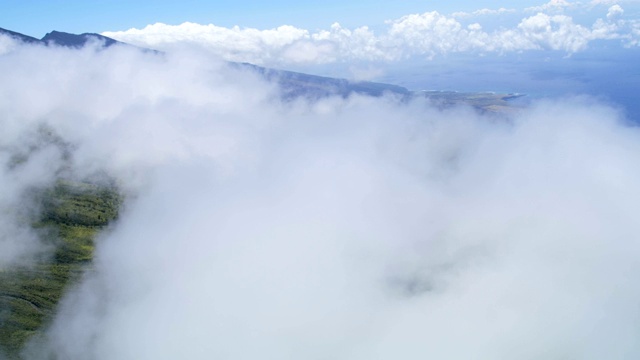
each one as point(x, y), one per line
point(357, 228)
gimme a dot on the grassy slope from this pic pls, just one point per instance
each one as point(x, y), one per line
point(72, 214)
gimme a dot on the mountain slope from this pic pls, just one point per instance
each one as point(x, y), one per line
point(19, 37)
point(295, 84)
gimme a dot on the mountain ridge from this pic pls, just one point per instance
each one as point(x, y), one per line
point(60, 38)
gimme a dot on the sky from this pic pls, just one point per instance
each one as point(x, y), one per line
point(347, 228)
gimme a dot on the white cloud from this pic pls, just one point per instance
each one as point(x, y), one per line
point(18, 208)
point(427, 35)
point(604, 2)
point(617, 27)
point(557, 32)
point(220, 40)
point(615, 12)
point(7, 43)
point(483, 12)
point(609, 3)
point(554, 6)
point(612, 2)
point(347, 229)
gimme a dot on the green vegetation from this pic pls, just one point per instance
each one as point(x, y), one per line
point(71, 215)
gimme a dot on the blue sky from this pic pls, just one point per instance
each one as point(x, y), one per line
point(35, 18)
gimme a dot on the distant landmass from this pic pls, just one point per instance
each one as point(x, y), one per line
point(295, 85)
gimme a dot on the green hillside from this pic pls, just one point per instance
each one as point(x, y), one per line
point(71, 215)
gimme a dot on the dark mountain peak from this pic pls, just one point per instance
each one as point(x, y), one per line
point(76, 41)
point(21, 37)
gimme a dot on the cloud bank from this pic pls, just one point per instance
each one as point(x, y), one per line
point(429, 34)
point(357, 228)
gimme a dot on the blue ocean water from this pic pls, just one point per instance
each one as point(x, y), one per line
point(610, 75)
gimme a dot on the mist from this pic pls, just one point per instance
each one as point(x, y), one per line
point(344, 228)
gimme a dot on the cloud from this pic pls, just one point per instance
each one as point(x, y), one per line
point(556, 6)
point(483, 12)
point(424, 35)
point(615, 12)
point(350, 228)
point(20, 243)
point(612, 2)
point(604, 2)
point(542, 31)
point(7, 44)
